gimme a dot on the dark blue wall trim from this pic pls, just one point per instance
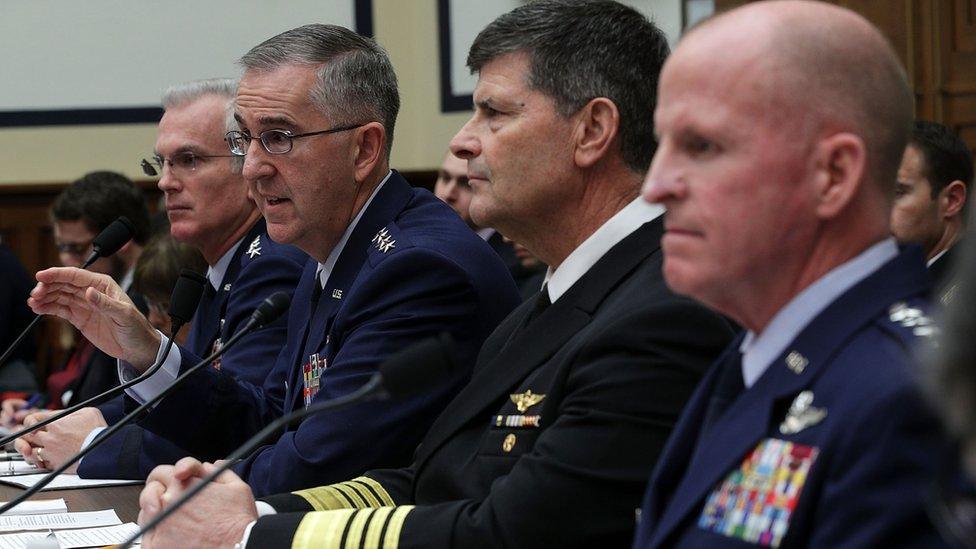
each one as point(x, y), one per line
point(449, 101)
point(363, 13)
point(70, 117)
point(364, 17)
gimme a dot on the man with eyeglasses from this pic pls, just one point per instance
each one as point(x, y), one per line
point(391, 265)
point(208, 207)
point(81, 211)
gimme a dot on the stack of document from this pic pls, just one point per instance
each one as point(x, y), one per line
point(34, 520)
point(62, 482)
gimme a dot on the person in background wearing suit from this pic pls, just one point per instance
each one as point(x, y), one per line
point(390, 265)
point(931, 198)
point(810, 430)
point(81, 211)
point(207, 203)
point(17, 374)
point(551, 442)
point(452, 187)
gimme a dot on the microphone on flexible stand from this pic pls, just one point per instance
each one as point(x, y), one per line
point(268, 311)
point(399, 376)
point(109, 241)
point(182, 304)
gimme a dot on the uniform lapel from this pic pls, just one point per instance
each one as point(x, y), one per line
point(209, 314)
point(531, 346)
point(385, 206)
point(748, 420)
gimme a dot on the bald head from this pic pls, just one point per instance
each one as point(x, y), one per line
point(824, 69)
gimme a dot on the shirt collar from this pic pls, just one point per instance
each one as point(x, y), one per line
point(938, 256)
point(485, 233)
point(325, 269)
point(624, 222)
point(216, 272)
point(127, 278)
point(759, 351)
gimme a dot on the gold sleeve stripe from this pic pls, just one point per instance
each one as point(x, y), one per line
point(391, 538)
point(347, 528)
point(326, 498)
point(372, 491)
point(352, 495)
point(322, 530)
point(359, 493)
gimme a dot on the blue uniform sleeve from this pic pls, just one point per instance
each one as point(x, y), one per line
point(404, 298)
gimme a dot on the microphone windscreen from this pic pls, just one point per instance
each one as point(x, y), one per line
point(413, 369)
point(113, 237)
point(186, 295)
point(271, 308)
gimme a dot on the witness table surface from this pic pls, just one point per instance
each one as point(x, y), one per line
point(124, 499)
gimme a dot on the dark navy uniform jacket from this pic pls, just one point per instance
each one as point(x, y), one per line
point(833, 446)
point(551, 442)
point(258, 268)
point(411, 269)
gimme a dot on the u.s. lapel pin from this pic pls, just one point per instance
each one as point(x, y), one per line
point(802, 414)
point(796, 362)
point(526, 400)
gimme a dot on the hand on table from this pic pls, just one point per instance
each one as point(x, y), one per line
point(51, 446)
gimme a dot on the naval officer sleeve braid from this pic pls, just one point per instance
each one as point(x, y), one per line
point(371, 528)
point(358, 493)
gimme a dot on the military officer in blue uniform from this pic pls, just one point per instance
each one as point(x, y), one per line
point(810, 430)
point(574, 394)
point(208, 207)
point(390, 265)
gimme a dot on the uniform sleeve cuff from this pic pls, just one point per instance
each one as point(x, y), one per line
point(157, 382)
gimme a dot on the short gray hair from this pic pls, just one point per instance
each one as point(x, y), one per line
point(185, 93)
point(356, 82)
point(579, 51)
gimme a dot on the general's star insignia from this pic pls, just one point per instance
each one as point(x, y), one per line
point(913, 318)
point(384, 241)
point(255, 247)
point(526, 400)
point(801, 414)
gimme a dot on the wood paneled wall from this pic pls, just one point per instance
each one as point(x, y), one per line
point(936, 40)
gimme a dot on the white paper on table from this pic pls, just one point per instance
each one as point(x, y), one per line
point(59, 521)
point(71, 539)
point(38, 507)
point(9, 468)
point(64, 481)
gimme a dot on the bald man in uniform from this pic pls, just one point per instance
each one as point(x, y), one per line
point(776, 163)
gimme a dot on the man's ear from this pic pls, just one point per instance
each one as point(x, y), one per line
point(952, 198)
point(368, 149)
point(598, 125)
point(840, 162)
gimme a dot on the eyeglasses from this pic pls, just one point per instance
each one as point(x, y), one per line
point(274, 141)
point(76, 249)
point(179, 163)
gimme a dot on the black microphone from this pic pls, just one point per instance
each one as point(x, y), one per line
point(269, 310)
point(182, 304)
point(109, 241)
point(401, 375)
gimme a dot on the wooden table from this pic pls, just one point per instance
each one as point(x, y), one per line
point(124, 499)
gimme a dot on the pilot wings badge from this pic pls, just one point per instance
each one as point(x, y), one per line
point(526, 400)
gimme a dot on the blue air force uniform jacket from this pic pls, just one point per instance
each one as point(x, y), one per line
point(258, 268)
point(832, 447)
point(551, 442)
point(411, 269)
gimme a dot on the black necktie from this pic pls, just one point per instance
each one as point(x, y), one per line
point(728, 387)
point(542, 303)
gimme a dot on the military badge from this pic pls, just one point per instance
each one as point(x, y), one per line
point(311, 376)
point(754, 503)
point(217, 344)
point(517, 421)
point(255, 248)
point(910, 317)
point(526, 400)
point(796, 362)
point(801, 414)
point(383, 241)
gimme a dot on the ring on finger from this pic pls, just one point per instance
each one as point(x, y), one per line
point(39, 452)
